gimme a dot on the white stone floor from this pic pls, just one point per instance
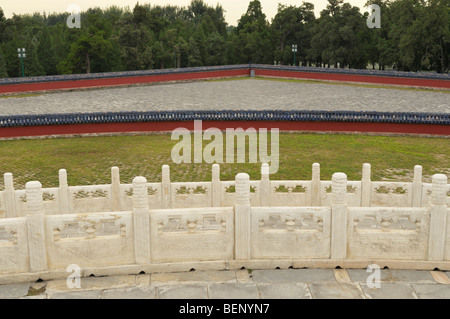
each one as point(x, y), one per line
point(245, 284)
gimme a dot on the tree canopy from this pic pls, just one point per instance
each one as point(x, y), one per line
point(414, 36)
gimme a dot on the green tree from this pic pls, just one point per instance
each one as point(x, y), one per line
point(252, 37)
point(93, 50)
point(216, 50)
point(181, 47)
point(407, 32)
point(135, 43)
point(83, 51)
point(3, 72)
point(165, 49)
point(3, 24)
point(340, 36)
point(436, 17)
point(254, 14)
point(46, 52)
point(194, 57)
point(196, 10)
point(32, 64)
point(292, 25)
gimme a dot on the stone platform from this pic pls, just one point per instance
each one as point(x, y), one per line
point(245, 284)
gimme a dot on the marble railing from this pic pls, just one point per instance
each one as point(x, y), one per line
point(116, 196)
point(239, 234)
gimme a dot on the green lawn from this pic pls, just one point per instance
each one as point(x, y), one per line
point(88, 159)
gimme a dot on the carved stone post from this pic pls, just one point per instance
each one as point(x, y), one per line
point(141, 221)
point(339, 216)
point(265, 185)
point(416, 197)
point(64, 205)
point(315, 185)
point(366, 185)
point(115, 189)
point(242, 212)
point(438, 218)
point(216, 194)
point(10, 200)
point(165, 187)
point(36, 227)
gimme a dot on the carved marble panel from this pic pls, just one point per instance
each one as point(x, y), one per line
point(447, 238)
point(20, 203)
point(391, 233)
point(353, 196)
point(426, 194)
point(290, 193)
point(50, 198)
point(385, 194)
point(185, 195)
point(14, 257)
point(90, 198)
point(96, 239)
point(153, 191)
point(2, 205)
point(192, 234)
point(290, 232)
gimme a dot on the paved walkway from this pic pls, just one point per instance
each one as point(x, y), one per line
point(232, 95)
point(244, 284)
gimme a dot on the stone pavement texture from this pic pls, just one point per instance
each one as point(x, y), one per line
point(240, 94)
point(244, 284)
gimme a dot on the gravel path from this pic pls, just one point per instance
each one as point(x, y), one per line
point(231, 95)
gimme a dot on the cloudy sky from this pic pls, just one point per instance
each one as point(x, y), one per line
point(234, 8)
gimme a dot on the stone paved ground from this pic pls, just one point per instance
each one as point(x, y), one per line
point(243, 284)
point(233, 95)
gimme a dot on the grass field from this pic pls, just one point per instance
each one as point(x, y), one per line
point(88, 159)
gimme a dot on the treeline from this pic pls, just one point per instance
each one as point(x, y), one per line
point(414, 36)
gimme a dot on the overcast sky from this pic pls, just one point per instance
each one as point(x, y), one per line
point(234, 8)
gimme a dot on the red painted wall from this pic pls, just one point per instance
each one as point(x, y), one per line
point(70, 129)
point(64, 85)
point(76, 84)
point(169, 126)
point(356, 78)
